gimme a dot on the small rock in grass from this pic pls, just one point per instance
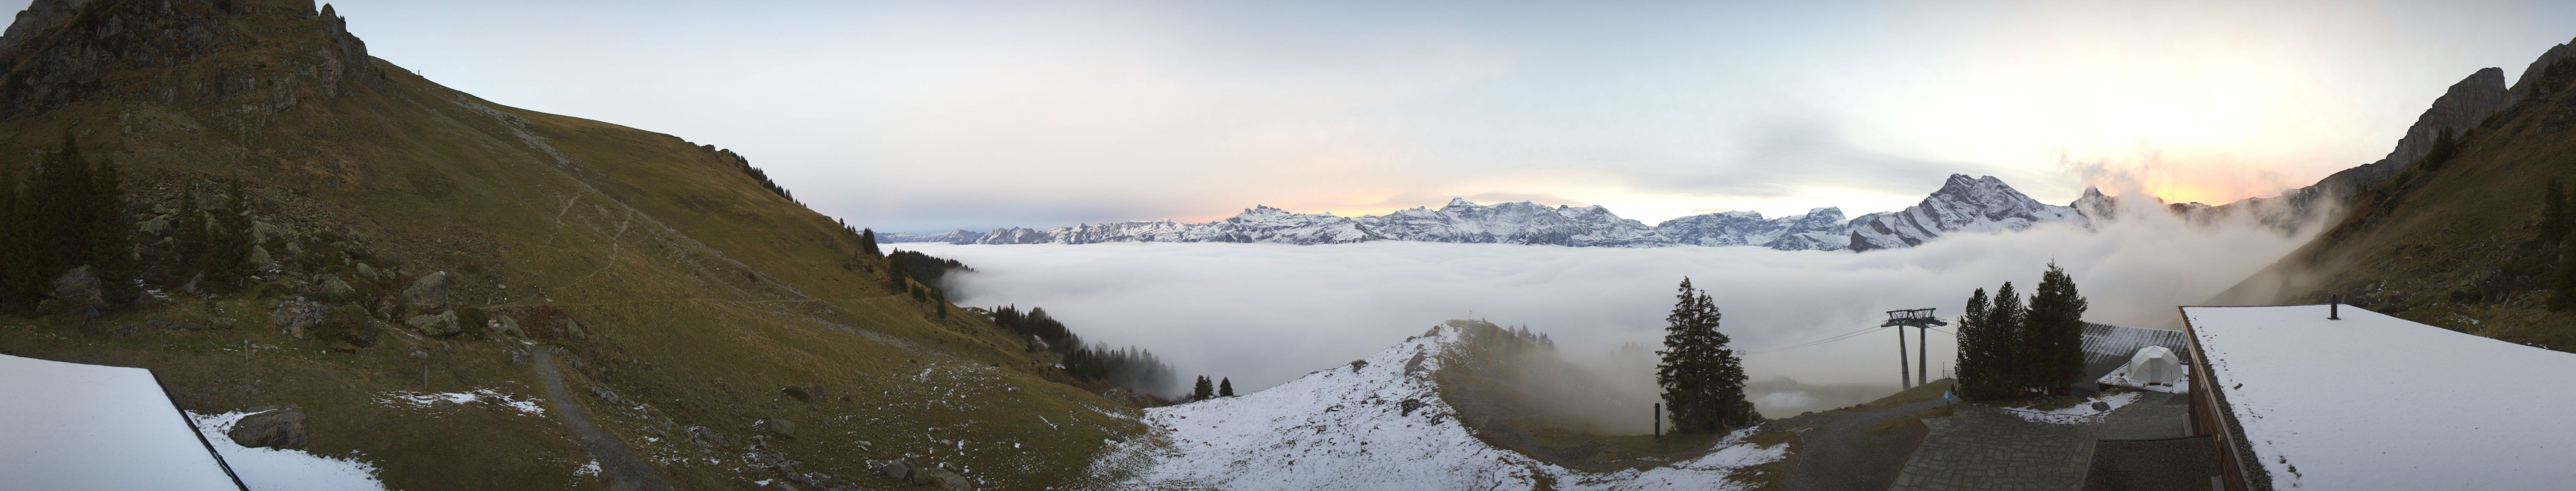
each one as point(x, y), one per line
point(775, 426)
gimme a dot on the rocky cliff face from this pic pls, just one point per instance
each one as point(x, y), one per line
point(1963, 204)
point(39, 16)
point(2462, 107)
point(2527, 86)
point(204, 53)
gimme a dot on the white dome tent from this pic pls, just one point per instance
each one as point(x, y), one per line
point(2151, 368)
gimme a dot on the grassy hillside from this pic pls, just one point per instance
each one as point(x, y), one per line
point(698, 295)
point(2453, 244)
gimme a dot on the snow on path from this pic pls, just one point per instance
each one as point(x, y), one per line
point(2081, 412)
point(270, 469)
point(1375, 423)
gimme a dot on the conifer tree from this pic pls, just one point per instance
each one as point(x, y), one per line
point(2003, 321)
point(2055, 331)
point(1203, 390)
point(1703, 380)
point(228, 241)
point(1981, 373)
point(111, 240)
point(2562, 290)
point(17, 245)
point(868, 243)
point(188, 231)
point(1225, 387)
point(2554, 215)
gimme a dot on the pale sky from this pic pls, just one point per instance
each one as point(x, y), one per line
point(924, 116)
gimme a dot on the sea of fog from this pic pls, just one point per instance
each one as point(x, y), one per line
point(1262, 314)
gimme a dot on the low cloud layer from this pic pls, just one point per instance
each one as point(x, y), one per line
point(1263, 314)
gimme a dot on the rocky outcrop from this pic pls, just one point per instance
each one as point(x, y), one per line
point(39, 16)
point(2528, 86)
point(442, 324)
point(775, 427)
point(427, 294)
point(76, 292)
point(59, 52)
point(279, 428)
point(2466, 104)
point(334, 287)
point(296, 316)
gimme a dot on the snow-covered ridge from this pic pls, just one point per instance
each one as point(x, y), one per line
point(1375, 423)
point(1963, 204)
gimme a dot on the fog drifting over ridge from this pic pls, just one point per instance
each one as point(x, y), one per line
point(1263, 314)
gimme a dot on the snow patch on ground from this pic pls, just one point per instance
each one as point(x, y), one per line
point(1377, 423)
point(592, 469)
point(2082, 412)
point(282, 469)
point(414, 399)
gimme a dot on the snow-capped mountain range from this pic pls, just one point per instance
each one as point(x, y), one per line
point(1963, 204)
point(1376, 423)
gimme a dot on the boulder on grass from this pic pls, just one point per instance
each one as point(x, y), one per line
point(75, 292)
point(441, 325)
point(775, 426)
point(281, 428)
point(428, 294)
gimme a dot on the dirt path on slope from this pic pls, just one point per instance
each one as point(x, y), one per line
point(625, 472)
point(1841, 452)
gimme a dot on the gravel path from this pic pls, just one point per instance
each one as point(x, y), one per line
point(625, 472)
point(1841, 453)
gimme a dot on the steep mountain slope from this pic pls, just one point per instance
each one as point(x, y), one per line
point(681, 297)
point(2453, 242)
point(1963, 204)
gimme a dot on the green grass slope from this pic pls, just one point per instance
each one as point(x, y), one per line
point(698, 295)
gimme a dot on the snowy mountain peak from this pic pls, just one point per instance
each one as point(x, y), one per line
point(1966, 204)
point(1963, 203)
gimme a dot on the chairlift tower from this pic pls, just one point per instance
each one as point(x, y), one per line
point(1919, 319)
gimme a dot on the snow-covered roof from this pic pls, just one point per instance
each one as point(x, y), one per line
point(70, 426)
point(2376, 402)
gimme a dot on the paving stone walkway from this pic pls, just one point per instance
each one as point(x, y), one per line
point(1991, 449)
